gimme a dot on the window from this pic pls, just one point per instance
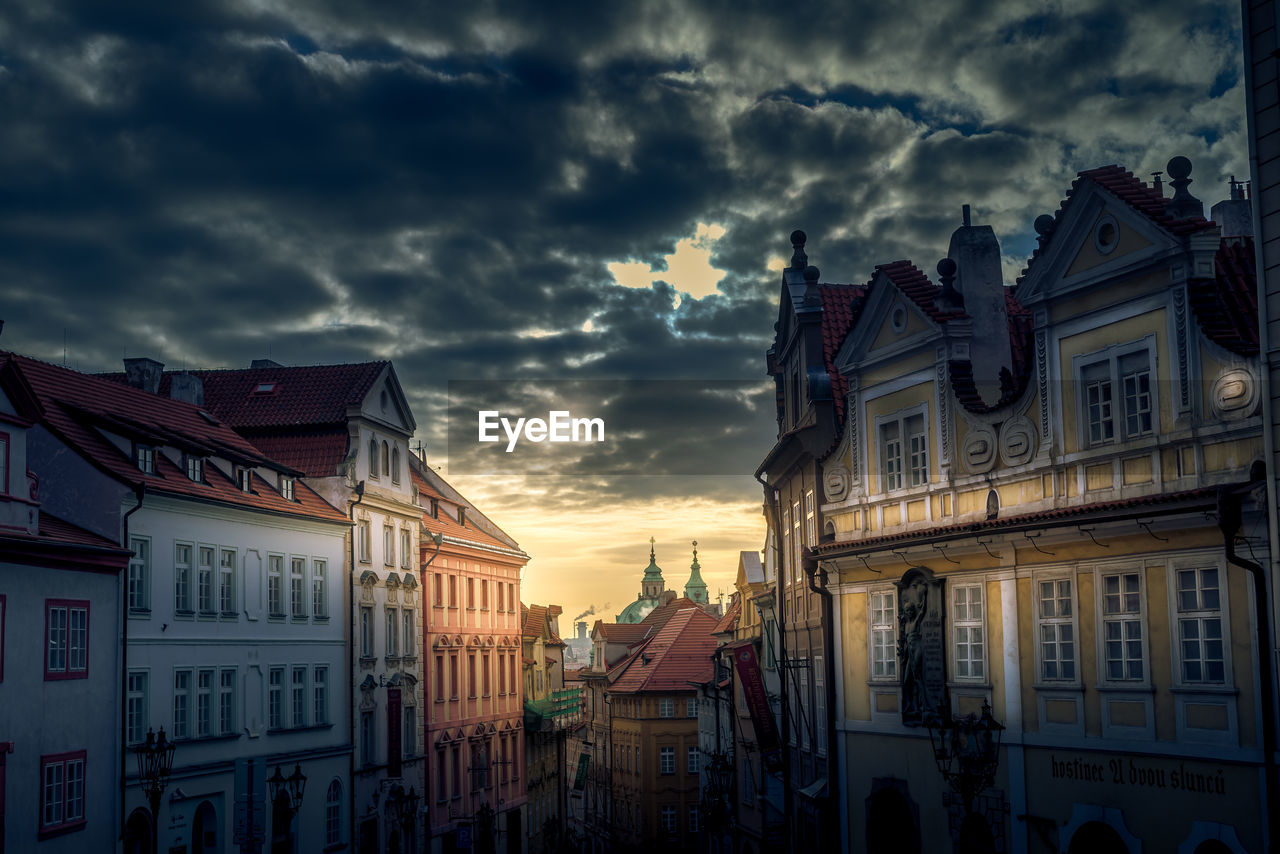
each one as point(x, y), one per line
point(298, 697)
point(227, 701)
point(140, 574)
point(691, 708)
point(511, 676)
point(969, 632)
point(61, 791)
point(298, 587)
point(286, 487)
point(820, 705)
point(182, 578)
point(694, 757)
point(471, 674)
point(442, 788)
point(386, 459)
point(409, 646)
point(786, 544)
point(275, 701)
point(666, 708)
point(484, 595)
point(181, 704)
point(1200, 645)
point(275, 585)
point(904, 456)
point(1117, 393)
point(668, 819)
point(1057, 632)
point(367, 737)
point(666, 760)
point(453, 591)
point(406, 548)
point(244, 478)
point(333, 814)
point(484, 671)
point(320, 589)
point(395, 465)
point(457, 772)
point(204, 580)
point(227, 581)
point(440, 695)
point(409, 740)
point(4, 463)
point(795, 541)
point(373, 458)
point(884, 635)
point(693, 818)
point(502, 674)
point(320, 695)
point(136, 707)
point(204, 703)
point(810, 520)
point(498, 584)
point(511, 597)
point(471, 594)
point(363, 532)
point(366, 632)
point(195, 468)
point(392, 632)
point(506, 765)
point(388, 545)
point(144, 457)
point(67, 639)
point(437, 586)
point(1122, 627)
point(453, 677)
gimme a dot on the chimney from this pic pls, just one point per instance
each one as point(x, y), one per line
point(144, 373)
point(980, 284)
point(1234, 214)
point(264, 363)
point(581, 626)
point(187, 386)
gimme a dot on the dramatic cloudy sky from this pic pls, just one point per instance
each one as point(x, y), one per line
point(601, 191)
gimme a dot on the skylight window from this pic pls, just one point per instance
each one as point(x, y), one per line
point(266, 388)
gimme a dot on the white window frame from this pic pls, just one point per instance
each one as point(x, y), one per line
point(227, 699)
point(204, 715)
point(1119, 415)
point(298, 696)
point(367, 632)
point(907, 472)
point(1055, 577)
point(276, 718)
point(333, 812)
point(392, 626)
point(406, 547)
point(810, 519)
point(693, 761)
point(666, 760)
point(287, 487)
point(227, 581)
point(819, 704)
point(320, 588)
point(195, 468)
point(298, 587)
point(362, 535)
point(666, 707)
point(320, 694)
point(183, 723)
point(388, 545)
point(1177, 615)
point(183, 579)
point(206, 579)
point(1102, 618)
point(968, 624)
point(137, 705)
point(138, 587)
point(275, 585)
point(876, 625)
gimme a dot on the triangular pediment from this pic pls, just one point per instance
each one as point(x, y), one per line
point(386, 403)
point(1097, 237)
point(890, 323)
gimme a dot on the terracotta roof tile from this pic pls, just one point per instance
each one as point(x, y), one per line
point(679, 653)
point(315, 454)
point(79, 407)
point(446, 524)
point(841, 305)
point(1226, 306)
point(729, 621)
point(916, 286)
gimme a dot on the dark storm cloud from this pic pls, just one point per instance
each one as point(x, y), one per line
point(445, 186)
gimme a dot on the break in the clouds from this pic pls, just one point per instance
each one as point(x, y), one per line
point(528, 190)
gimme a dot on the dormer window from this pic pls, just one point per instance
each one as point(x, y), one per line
point(286, 487)
point(244, 478)
point(144, 456)
point(195, 469)
point(462, 516)
point(435, 508)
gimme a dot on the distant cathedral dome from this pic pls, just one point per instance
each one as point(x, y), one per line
point(652, 586)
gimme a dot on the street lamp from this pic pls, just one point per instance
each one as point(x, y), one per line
point(155, 761)
point(967, 750)
point(714, 796)
point(287, 791)
point(406, 808)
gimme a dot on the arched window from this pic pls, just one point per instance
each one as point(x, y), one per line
point(386, 459)
point(395, 464)
point(333, 814)
point(373, 458)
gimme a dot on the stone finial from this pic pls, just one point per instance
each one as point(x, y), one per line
point(1044, 226)
point(949, 299)
point(799, 260)
point(1183, 205)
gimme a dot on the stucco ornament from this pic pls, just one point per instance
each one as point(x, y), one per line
point(835, 482)
point(1017, 440)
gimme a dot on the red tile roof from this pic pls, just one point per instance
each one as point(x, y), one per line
point(303, 395)
point(447, 524)
point(1202, 498)
point(1226, 306)
point(533, 620)
point(78, 407)
point(623, 633)
point(657, 618)
point(841, 305)
point(729, 621)
point(315, 454)
point(676, 655)
point(916, 286)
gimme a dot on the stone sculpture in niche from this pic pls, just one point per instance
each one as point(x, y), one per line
point(921, 653)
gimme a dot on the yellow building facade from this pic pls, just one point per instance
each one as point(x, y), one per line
point(1067, 473)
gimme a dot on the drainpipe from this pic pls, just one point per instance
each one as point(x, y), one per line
point(351, 668)
point(815, 571)
point(771, 500)
point(1229, 522)
point(138, 492)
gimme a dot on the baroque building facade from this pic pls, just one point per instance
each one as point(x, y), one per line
point(1040, 501)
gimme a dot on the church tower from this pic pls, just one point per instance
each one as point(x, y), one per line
point(695, 588)
point(652, 585)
